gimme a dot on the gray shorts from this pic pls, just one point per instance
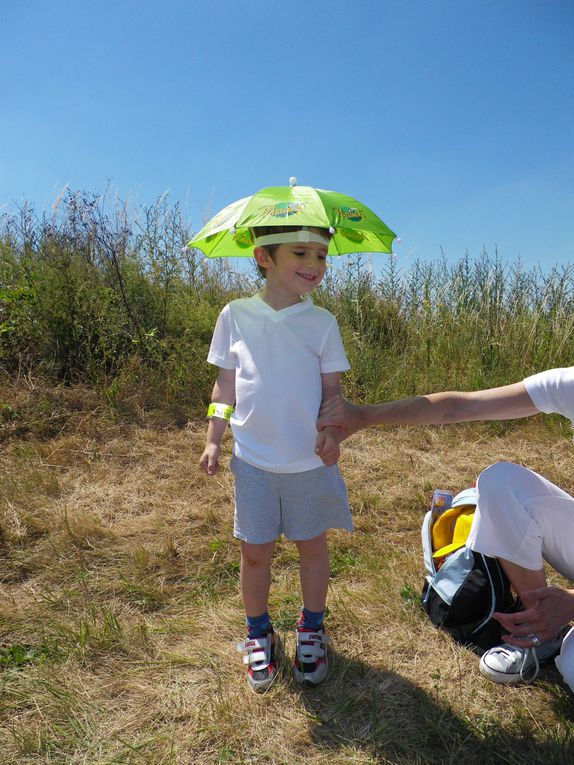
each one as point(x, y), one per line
point(299, 505)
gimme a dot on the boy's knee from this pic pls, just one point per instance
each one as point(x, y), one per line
point(312, 547)
point(256, 555)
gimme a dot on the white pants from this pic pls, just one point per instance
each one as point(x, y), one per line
point(526, 519)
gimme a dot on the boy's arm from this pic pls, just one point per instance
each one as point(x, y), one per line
point(223, 393)
point(327, 444)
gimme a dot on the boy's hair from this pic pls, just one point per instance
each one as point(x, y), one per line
point(272, 248)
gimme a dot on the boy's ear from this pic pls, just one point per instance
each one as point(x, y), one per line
point(262, 257)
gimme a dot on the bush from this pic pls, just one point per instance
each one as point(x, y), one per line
point(99, 296)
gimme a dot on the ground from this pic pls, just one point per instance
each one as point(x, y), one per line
point(120, 607)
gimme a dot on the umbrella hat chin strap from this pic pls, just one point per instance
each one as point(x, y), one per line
point(303, 235)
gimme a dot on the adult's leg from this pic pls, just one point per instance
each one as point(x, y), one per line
point(523, 579)
point(565, 660)
point(523, 519)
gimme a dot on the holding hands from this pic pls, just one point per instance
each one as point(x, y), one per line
point(327, 446)
point(339, 413)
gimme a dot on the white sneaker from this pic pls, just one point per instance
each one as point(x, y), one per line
point(260, 657)
point(311, 662)
point(510, 664)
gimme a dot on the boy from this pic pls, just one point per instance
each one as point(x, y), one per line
point(279, 356)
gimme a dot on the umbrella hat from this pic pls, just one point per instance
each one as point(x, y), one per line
point(356, 227)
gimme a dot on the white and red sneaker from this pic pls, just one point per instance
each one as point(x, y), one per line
point(260, 659)
point(311, 664)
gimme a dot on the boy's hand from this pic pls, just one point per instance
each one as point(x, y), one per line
point(327, 446)
point(209, 461)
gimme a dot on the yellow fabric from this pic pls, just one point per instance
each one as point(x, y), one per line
point(451, 529)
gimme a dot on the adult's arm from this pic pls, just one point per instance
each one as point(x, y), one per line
point(503, 403)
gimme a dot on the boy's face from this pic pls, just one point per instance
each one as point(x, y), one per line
point(296, 268)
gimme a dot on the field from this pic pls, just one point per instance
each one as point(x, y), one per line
point(120, 607)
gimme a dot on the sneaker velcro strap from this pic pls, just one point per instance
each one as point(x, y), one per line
point(258, 651)
point(309, 652)
point(311, 645)
point(259, 658)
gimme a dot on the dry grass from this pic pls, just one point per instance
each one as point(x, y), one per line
point(120, 606)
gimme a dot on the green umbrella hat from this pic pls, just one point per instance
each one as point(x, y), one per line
point(354, 226)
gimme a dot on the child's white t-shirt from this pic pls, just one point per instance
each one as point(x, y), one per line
point(278, 357)
point(553, 391)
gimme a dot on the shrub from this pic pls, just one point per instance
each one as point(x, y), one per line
point(103, 296)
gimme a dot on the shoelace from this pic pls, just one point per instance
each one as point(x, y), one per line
point(524, 662)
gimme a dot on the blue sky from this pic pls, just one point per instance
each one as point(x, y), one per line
point(454, 120)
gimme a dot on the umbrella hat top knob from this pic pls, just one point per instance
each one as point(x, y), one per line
point(292, 181)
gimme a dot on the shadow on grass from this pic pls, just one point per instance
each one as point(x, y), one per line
point(561, 698)
point(386, 715)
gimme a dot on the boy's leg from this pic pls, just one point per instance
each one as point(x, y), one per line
point(314, 571)
point(256, 576)
point(260, 644)
point(311, 655)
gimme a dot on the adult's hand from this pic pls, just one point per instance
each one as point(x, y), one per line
point(547, 610)
point(338, 412)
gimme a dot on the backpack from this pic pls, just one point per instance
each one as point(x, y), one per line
point(463, 588)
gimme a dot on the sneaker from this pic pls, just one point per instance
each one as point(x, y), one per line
point(311, 662)
point(260, 659)
point(510, 664)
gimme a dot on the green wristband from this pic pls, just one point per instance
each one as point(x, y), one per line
point(220, 410)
